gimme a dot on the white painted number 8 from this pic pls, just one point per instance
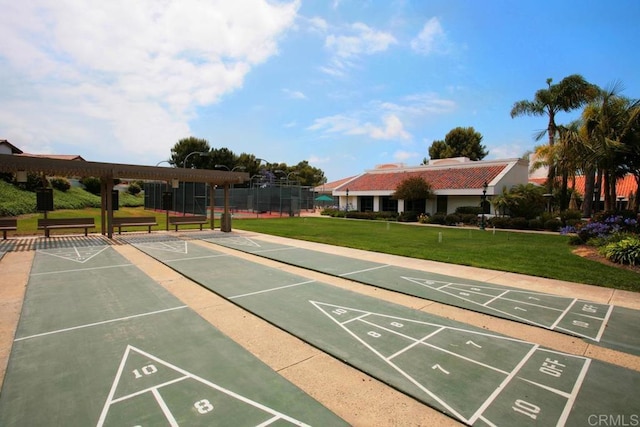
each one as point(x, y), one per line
point(203, 406)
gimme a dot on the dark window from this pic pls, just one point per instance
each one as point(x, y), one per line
point(366, 203)
point(387, 204)
point(441, 204)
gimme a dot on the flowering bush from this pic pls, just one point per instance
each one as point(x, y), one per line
point(605, 228)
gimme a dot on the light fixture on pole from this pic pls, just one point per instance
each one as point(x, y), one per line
point(482, 204)
point(199, 153)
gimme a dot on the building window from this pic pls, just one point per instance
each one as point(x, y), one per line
point(441, 204)
point(387, 204)
point(366, 203)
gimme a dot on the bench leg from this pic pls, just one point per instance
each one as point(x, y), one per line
point(4, 234)
point(86, 231)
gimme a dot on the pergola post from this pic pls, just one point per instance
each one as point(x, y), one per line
point(212, 204)
point(225, 223)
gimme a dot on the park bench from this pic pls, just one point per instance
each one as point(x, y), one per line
point(134, 221)
point(48, 224)
point(192, 219)
point(8, 224)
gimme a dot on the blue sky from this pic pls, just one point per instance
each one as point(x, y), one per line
point(343, 84)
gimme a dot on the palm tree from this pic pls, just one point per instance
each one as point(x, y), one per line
point(571, 93)
point(611, 126)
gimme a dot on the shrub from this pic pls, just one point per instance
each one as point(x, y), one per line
point(91, 184)
point(438, 218)
point(471, 210)
point(469, 218)
point(519, 223)
point(626, 251)
point(500, 222)
point(134, 189)
point(59, 183)
point(553, 224)
point(536, 224)
point(452, 219)
point(409, 216)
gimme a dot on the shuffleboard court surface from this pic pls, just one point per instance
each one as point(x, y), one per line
point(607, 325)
point(476, 377)
point(101, 344)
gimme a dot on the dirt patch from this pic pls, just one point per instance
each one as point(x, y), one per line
point(592, 253)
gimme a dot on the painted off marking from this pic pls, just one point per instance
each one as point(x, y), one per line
point(88, 325)
point(335, 311)
point(203, 407)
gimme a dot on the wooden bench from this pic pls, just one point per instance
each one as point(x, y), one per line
point(48, 224)
point(192, 219)
point(8, 224)
point(134, 221)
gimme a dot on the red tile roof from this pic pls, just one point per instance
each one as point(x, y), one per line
point(440, 179)
point(55, 156)
point(624, 186)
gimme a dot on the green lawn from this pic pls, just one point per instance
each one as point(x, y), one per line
point(536, 254)
point(543, 255)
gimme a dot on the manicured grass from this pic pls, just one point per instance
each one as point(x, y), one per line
point(542, 255)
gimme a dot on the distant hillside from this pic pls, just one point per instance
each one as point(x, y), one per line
point(15, 201)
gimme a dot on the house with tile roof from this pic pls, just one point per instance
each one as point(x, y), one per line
point(455, 182)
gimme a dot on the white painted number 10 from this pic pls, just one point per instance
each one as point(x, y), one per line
point(526, 408)
point(145, 371)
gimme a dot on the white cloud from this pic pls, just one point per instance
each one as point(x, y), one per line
point(127, 75)
point(359, 40)
point(294, 94)
point(391, 127)
point(403, 156)
point(431, 39)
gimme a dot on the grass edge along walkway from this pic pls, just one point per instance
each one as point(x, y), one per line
point(535, 254)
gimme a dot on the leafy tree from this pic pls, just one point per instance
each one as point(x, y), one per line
point(459, 142)
point(413, 189)
point(185, 147)
point(571, 93)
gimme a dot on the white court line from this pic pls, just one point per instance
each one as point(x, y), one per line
point(564, 313)
point(574, 393)
point(196, 257)
point(82, 269)
point(269, 421)
point(271, 289)
point(98, 323)
point(495, 298)
point(416, 342)
point(366, 269)
point(604, 323)
point(504, 383)
point(262, 251)
point(165, 409)
point(145, 390)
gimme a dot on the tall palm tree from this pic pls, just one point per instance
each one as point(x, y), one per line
point(611, 125)
point(571, 93)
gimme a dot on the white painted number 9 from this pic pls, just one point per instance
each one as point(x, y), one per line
point(203, 406)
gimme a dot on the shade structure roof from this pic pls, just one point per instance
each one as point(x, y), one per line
point(63, 167)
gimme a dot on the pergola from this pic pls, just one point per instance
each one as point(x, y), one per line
point(107, 172)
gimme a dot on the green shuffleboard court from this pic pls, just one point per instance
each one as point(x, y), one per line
point(610, 326)
point(477, 377)
point(99, 343)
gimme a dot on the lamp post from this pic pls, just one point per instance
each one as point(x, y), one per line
point(199, 153)
point(346, 205)
point(482, 203)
